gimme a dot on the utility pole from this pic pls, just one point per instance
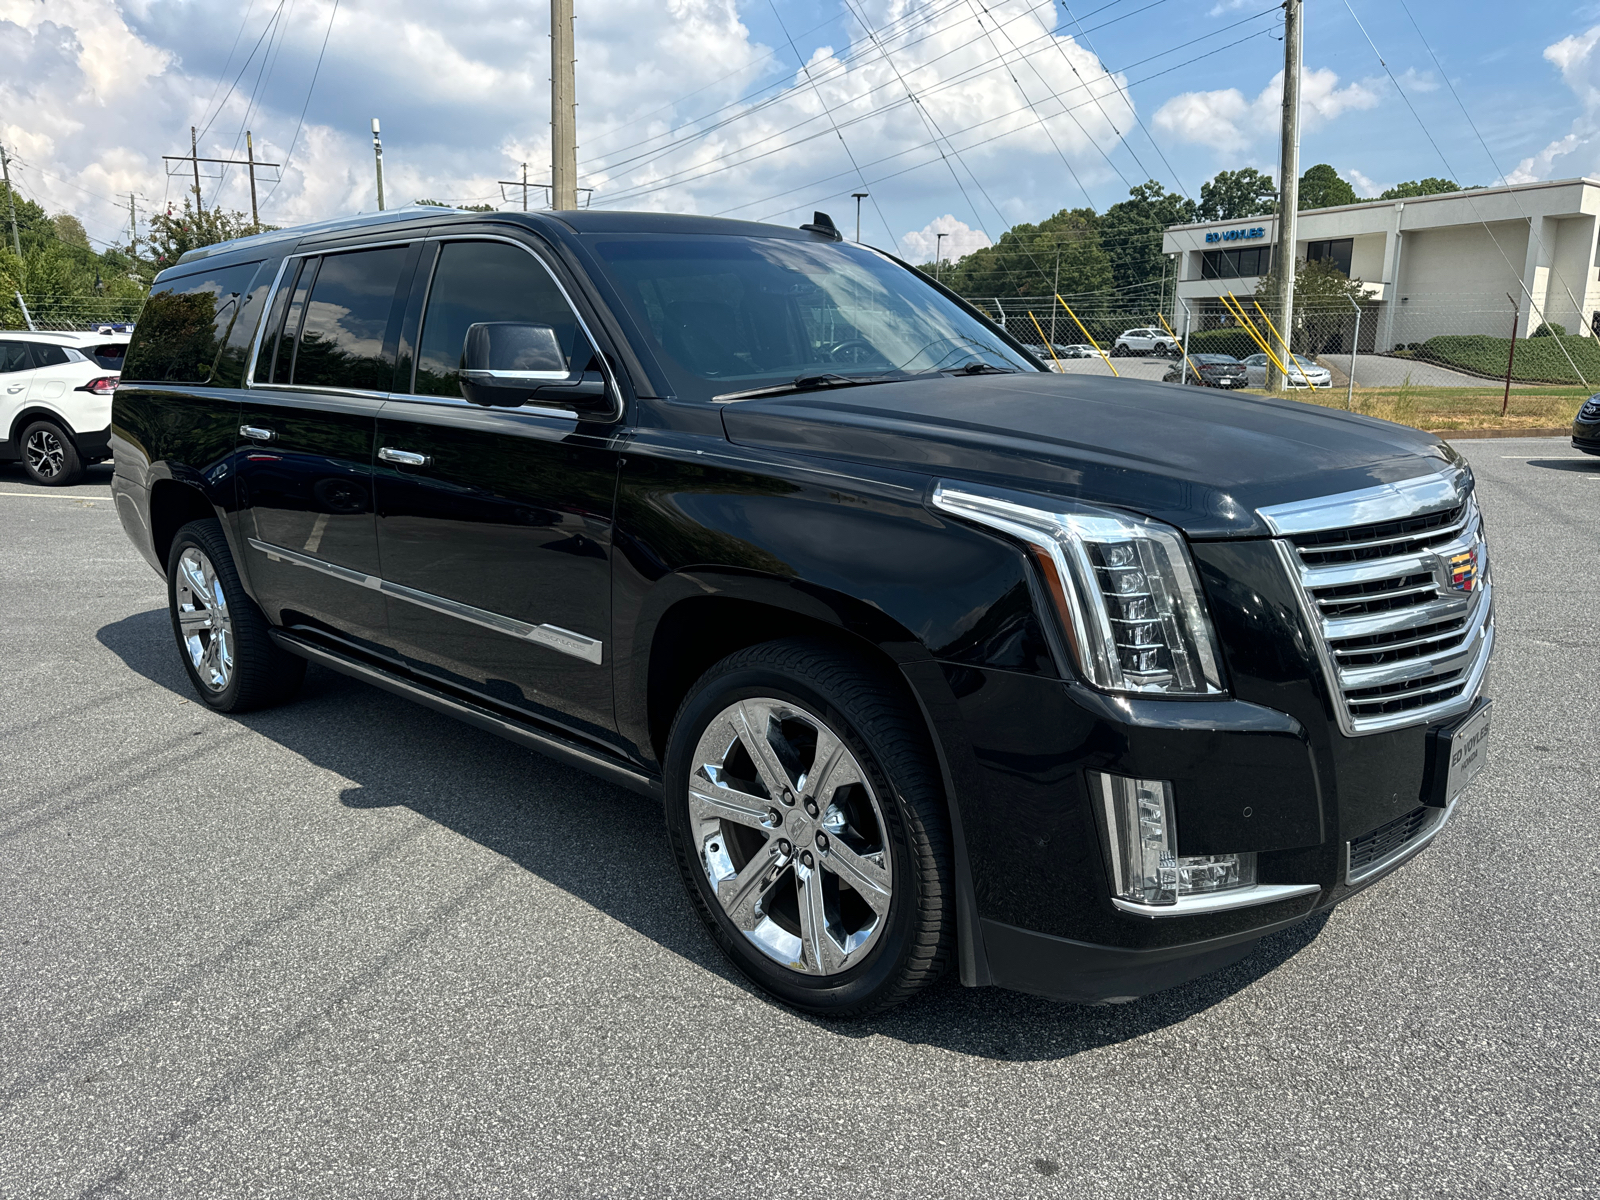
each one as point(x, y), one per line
point(524, 187)
point(377, 155)
point(11, 199)
point(1289, 184)
point(195, 160)
point(1055, 290)
point(563, 109)
point(133, 227)
point(859, 197)
point(938, 252)
point(194, 157)
point(250, 156)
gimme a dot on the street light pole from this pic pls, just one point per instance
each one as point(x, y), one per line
point(377, 154)
point(938, 252)
point(859, 197)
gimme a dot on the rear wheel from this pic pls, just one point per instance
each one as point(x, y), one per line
point(808, 823)
point(222, 635)
point(49, 456)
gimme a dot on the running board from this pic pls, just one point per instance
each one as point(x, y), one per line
point(611, 770)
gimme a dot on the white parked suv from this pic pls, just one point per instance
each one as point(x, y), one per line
point(55, 400)
point(1143, 341)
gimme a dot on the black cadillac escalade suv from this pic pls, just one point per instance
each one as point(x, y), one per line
point(1085, 684)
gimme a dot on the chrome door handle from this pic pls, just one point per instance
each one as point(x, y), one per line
point(256, 433)
point(405, 458)
point(15, 390)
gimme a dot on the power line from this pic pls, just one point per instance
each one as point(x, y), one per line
point(1126, 99)
point(660, 185)
point(317, 70)
point(818, 91)
point(1532, 232)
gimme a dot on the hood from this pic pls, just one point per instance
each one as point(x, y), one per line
point(1198, 459)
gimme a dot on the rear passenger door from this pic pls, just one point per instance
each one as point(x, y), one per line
point(16, 368)
point(494, 524)
point(324, 365)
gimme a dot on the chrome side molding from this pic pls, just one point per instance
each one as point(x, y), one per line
point(552, 637)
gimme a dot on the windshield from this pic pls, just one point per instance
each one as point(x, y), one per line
point(733, 313)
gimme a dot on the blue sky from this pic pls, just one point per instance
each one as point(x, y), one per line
point(700, 105)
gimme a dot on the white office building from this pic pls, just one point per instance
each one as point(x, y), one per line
point(1453, 263)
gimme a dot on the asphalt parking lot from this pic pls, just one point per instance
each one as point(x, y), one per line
point(352, 948)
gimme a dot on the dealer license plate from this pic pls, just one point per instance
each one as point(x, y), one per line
point(1469, 752)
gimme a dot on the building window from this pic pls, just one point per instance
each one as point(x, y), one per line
point(1232, 264)
point(1337, 252)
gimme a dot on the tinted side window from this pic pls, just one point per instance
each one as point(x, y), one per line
point(14, 357)
point(46, 354)
point(183, 325)
point(344, 333)
point(486, 281)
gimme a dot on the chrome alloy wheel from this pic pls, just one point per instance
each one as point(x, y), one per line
point(46, 454)
point(203, 620)
point(790, 835)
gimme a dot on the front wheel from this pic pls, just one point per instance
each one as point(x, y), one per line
point(808, 823)
point(1119, 351)
point(49, 456)
point(222, 636)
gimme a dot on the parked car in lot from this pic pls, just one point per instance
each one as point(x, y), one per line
point(1144, 341)
point(55, 401)
point(1209, 370)
point(1586, 427)
point(1080, 684)
point(1303, 372)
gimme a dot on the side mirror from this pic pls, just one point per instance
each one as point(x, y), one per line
point(507, 364)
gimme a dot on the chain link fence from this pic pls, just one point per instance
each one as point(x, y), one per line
point(84, 314)
point(1437, 341)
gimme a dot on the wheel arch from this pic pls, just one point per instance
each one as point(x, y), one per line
point(173, 504)
point(30, 413)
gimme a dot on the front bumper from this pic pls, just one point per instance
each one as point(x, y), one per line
point(1586, 436)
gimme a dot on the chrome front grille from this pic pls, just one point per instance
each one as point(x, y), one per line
point(1395, 582)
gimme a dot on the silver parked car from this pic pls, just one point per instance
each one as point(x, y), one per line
point(1302, 372)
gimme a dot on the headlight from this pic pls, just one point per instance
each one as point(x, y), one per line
point(1590, 410)
point(1124, 587)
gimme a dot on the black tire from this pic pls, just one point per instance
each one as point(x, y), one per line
point(258, 673)
point(49, 455)
point(1163, 350)
point(860, 704)
point(1119, 352)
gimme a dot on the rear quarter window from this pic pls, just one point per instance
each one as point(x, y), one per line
point(185, 324)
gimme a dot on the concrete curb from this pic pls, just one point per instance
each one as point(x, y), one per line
point(1456, 435)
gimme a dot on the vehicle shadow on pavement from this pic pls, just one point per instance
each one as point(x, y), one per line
point(1586, 466)
point(607, 846)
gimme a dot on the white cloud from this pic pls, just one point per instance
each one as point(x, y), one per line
point(920, 245)
point(94, 92)
point(1364, 186)
point(1413, 80)
point(1225, 120)
point(1579, 65)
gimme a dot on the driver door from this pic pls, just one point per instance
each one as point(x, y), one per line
point(494, 524)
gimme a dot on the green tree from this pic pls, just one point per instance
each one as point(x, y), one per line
point(1232, 195)
point(173, 234)
point(70, 230)
point(1430, 186)
point(1131, 232)
point(1321, 187)
point(1322, 297)
point(462, 207)
point(1025, 260)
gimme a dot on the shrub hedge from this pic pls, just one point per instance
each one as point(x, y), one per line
point(1539, 360)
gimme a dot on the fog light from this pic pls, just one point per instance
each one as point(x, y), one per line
point(1145, 865)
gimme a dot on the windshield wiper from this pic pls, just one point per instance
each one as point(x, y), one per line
point(811, 383)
